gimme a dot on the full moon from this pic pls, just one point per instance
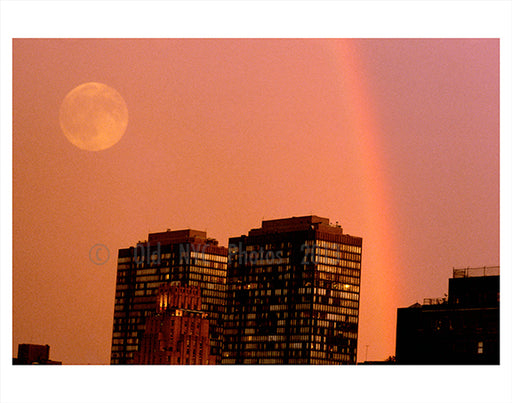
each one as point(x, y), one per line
point(93, 116)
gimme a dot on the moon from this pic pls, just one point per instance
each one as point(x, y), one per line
point(93, 116)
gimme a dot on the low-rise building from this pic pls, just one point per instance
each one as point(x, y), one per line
point(461, 329)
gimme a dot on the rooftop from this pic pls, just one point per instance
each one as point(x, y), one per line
point(297, 224)
point(476, 272)
point(181, 236)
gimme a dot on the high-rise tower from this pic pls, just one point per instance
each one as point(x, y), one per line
point(185, 257)
point(293, 294)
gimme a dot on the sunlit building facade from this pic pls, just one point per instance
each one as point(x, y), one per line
point(293, 294)
point(177, 333)
point(185, 257)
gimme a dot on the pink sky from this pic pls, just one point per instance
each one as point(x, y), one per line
point(398, 140)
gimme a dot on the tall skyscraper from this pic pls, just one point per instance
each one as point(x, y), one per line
point(293, 294)
point(177, 333)
point(185, 257)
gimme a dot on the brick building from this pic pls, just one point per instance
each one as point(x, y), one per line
point(177, 333)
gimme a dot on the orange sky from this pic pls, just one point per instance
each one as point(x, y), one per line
point(398, 140)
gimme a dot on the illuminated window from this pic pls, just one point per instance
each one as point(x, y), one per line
point(480, 348)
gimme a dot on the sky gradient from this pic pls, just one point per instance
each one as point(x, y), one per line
point(397, 140)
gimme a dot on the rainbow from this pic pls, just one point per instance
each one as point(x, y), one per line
point(380, 266)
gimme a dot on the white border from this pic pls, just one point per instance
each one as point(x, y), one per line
point(251, 19)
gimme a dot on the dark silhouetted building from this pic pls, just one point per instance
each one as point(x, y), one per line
point(293, 294)
point(178, 331)
point(185, 256)
point(462, 329)
point(389, 361)
point(34, 354)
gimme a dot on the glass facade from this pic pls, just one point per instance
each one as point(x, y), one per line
point(174, 257)
point(293, 294)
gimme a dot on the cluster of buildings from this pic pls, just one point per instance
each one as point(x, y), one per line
point(286, 293)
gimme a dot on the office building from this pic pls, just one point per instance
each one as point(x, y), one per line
point(461, 329)
point(293, 294)
point(177, 333)
point(185, 257)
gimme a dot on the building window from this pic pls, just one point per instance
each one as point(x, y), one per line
point(480, 348)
